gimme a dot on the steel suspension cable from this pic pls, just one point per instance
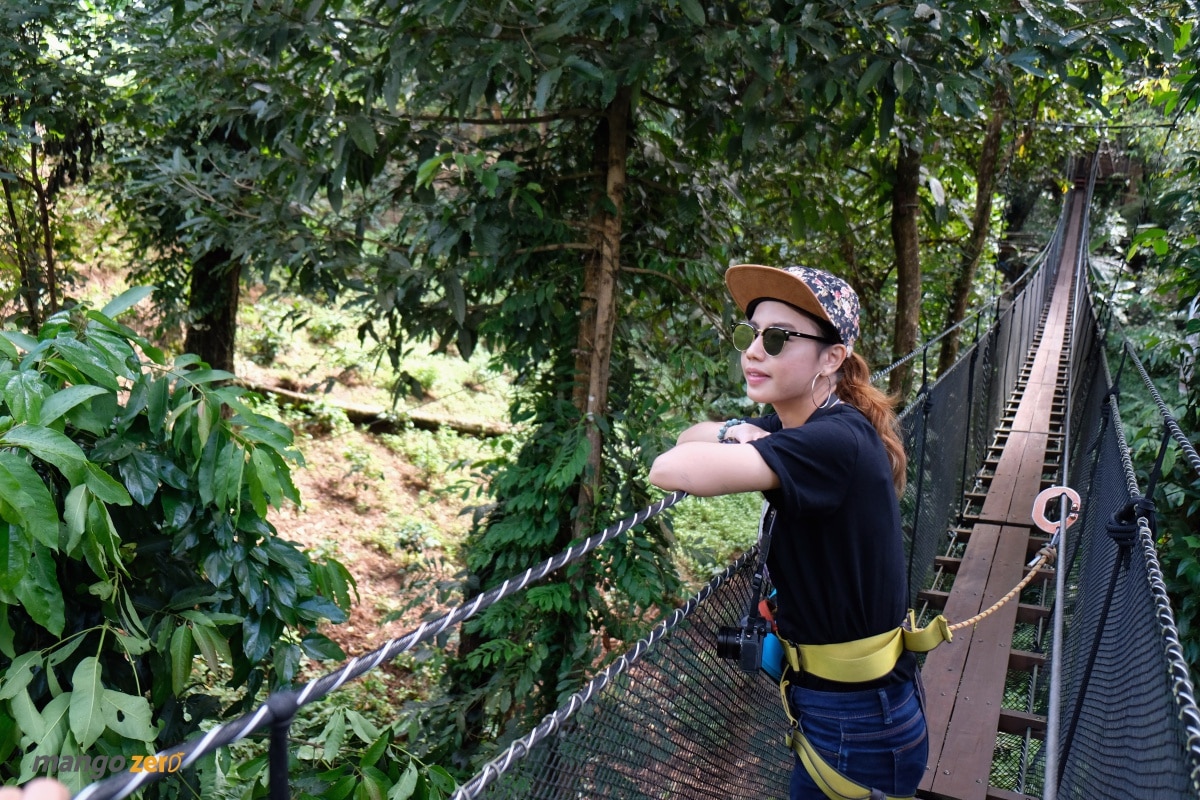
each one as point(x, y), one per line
point(1168, 418)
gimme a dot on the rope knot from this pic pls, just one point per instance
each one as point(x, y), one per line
point(1122, 525)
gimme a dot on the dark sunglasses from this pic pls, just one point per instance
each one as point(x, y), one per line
point(744, 334)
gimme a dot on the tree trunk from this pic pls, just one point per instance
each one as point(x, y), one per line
point(905, 238)
point(598, 312)
point(215, 290)
point(985, 184)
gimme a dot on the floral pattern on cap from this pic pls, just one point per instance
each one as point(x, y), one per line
point(836, 297)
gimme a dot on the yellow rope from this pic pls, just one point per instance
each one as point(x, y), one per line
point(1044, 555)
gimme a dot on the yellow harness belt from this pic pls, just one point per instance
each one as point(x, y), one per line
point(853, 662)
point(866, 659)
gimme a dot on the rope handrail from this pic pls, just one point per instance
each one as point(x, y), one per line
point(281, 706)
point(1069, 500)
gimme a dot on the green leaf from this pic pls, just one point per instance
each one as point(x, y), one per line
point(202, 376)
point(100, 541)
point(6, 634)
point(61, 402)
point(40, 594)
point(363, 133)
point(87, 720)
point(128, 716)
point(88, 361)
point(181, 659)
point(140, 473)
point(47, 444)
point(24, 393)
point(15, 550)
point(545, 86)
point(258, 635)
point(156, 404)
point(321, 647)
point(429, 169)
point(333, 735)
point(373, 786)
point(362, 727)
point(126, 300)
point(213, 646)
point(19, 674)
point(21, 340)
point(375, 751)
point(871, 75)
point(902, 75)
point(105, 487)
point(406, 785)
point(694, 11)
point(206, 474)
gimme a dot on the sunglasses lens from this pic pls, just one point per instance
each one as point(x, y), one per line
point(774, 340)
point(743, 336)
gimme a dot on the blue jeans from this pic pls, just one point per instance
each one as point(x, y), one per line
point(877, 737)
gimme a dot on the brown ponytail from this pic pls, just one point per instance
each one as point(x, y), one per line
point(854, 387)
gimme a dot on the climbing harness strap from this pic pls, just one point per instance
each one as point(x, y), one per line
point(833, 783)
point(866, 659)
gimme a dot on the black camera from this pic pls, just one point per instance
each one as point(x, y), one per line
point(743, 643)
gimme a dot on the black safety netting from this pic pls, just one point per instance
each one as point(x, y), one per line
point(1121, 731)
point(667, 719)
point(1125, 721)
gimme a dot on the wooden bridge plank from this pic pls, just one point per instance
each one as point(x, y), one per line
point(943, 666)
point(971, 734)
point(1016, 480)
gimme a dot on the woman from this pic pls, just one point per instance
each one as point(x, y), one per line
point(830, 461)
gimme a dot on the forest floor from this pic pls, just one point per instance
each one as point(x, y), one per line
point(389, 506)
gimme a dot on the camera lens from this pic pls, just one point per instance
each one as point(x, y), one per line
point(729, 642)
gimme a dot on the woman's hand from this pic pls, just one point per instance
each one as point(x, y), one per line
point(745, 432)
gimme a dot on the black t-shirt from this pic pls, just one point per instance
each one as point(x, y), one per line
point(837, 554)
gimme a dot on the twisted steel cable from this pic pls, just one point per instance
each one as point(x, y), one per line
point(1168, 419)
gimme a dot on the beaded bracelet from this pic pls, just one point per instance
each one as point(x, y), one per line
point(729, 423)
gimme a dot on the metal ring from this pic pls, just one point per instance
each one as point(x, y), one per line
point(1044, 497)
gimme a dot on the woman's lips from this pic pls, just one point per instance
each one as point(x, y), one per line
point(754, 377)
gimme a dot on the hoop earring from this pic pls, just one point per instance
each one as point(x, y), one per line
point(830, 399)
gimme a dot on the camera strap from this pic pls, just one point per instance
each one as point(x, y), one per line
point(766, 525)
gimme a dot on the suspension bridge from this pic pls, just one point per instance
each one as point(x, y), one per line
point(1065, 676)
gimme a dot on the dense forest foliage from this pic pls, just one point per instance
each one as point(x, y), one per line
point(561, 185)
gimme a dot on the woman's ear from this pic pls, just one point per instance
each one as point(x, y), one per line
point(832, 358)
